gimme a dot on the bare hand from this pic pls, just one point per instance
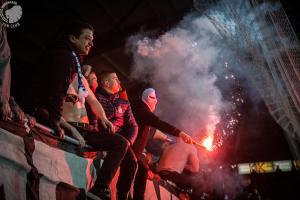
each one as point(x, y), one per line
point(78, 136)
point(61, 133)
point(82, 142)
point(17, 112)
point(108, 125)
point(5, 111)
point(31, 121)
point(152, 176)
point(185, 137)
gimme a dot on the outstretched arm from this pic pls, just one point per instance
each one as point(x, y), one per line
point(147, 117)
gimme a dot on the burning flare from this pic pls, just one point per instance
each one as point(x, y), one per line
point(208, 143)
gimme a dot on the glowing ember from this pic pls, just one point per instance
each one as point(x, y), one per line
point(208, 143)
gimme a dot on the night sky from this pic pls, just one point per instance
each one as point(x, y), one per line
point(257, 137)
point(292, 10)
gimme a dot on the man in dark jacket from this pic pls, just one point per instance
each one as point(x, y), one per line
point(143, 112)
point(46, 89)
point(118, 111)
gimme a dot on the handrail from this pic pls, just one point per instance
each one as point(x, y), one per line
point(51, 131)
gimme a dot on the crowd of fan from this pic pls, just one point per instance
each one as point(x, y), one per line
point(67, 97)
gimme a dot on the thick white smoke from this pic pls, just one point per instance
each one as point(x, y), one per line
point(184, 63)
point(178, 64)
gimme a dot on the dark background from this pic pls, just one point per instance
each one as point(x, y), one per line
point(257, 138)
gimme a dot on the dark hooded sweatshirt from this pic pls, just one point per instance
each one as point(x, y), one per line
point(146, 119)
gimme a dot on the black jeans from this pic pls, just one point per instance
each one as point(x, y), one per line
point(184, 181)
point(116, 147)
point(140, 181)
point(128, 170)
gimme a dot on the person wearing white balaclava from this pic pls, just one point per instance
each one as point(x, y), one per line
point(149, 98)
point(143, 112)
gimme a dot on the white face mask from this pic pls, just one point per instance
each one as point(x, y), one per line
point(151, 102)
point(149, 97)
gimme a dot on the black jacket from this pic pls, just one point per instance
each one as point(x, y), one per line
point(146, 119)
point(48, 83)
point(118, 111)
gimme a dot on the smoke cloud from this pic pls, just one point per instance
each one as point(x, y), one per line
point(191, 65)
point(178, 64)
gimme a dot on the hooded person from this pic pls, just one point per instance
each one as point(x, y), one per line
point(143, 112)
